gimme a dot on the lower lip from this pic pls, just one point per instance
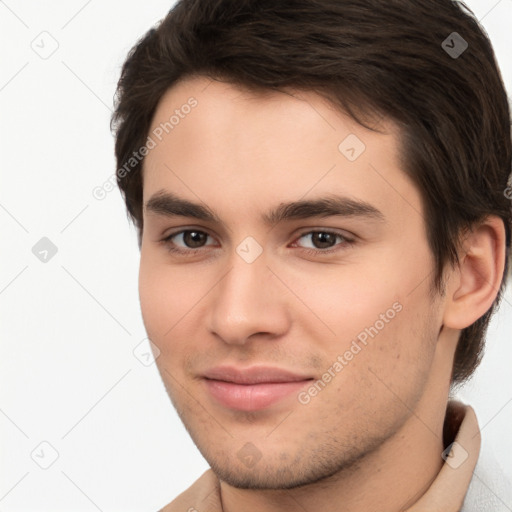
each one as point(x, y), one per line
point(251, 397)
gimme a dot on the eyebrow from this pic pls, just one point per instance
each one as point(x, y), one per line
point(168, 204)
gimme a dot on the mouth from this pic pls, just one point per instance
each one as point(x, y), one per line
point(253, 388)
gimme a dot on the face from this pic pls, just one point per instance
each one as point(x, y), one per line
point(284, 278)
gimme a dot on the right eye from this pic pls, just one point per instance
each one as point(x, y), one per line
point(186, 241)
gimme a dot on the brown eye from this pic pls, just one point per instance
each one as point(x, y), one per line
point(322, 240)
point(186, 239)
point(194, 239)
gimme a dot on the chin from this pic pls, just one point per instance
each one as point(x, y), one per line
point(268, 477)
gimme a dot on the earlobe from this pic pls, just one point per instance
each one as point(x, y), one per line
point(474, 285)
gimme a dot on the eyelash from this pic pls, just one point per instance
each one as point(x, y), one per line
point(346, 242)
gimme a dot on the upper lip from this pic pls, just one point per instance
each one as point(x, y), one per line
point(253, 375)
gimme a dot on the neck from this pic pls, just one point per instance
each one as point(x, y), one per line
point(393, 467)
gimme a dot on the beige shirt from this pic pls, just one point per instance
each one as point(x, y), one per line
point(446, 493)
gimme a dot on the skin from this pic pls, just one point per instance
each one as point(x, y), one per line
point(377, 425)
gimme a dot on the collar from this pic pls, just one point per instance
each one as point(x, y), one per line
point(462, 448)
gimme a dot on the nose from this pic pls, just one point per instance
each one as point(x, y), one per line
point(249, 302)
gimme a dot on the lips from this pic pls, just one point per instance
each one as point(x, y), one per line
point(253, 388)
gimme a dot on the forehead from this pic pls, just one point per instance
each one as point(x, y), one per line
point(215, 140)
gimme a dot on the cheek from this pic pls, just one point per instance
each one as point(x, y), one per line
point(379, 376)
point(398, 355)
point(338, 303)
point(378, 319)
point(166, 296)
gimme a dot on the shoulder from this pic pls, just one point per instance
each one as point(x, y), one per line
point(203, 495)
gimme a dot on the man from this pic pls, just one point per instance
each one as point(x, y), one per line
point(320, 189)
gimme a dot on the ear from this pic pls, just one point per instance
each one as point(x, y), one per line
point(473, 286)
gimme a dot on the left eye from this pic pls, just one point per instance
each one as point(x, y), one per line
point(322, 239)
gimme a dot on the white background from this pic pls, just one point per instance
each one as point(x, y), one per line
point(68, 374)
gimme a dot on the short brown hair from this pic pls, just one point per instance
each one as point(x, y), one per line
point(371, 58)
